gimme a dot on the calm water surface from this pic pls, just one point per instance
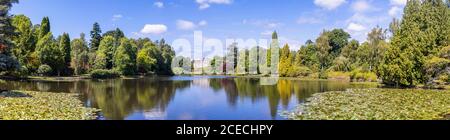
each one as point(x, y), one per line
point(188, 98)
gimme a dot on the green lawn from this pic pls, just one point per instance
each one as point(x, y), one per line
point(376, 104)
point(27, 105)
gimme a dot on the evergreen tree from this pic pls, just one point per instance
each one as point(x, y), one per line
point(7, 61)
point(64, 46)
point(96, 37)
point(417, 39)
point(44, 28)
point(24, 40)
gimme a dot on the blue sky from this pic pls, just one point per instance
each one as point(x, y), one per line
point(295, 20)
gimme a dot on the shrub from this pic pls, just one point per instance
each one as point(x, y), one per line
point(323, 75)
point(298, 71)
point(337, 75)
point(44, 70)
point(363, 76)
point(104, 74)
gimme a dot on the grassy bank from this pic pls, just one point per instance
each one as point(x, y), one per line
point(376, 104)
point(27, 105)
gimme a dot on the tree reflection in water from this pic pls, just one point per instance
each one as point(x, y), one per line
point(151, 97)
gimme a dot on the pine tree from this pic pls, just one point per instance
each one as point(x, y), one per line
point(7, 62)
point(424, 30)
point(44, 28)
point(96, 37)
point(64, 46)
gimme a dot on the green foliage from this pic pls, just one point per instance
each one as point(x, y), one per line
point(48, 53)
point(285, 61)
point(125, 58)
point(299, 71)
point(146, 58)
point(375, 104)
point(64, 46)
point(104, 74)
point(105, 53)
point(96, 37)
point(242, 62)
point(372, 52)
point(117, 34)
point(338, 39)
point(45, 70)
point(307, 56)
point(323, 50)
point(7, 61)
point(27, 105)
point(417, 39)
point(338, 75)
point(24, 40)
point(80, 58)
point(342, 63)
point(438, 67)
point(44, 28)
point(359, 75)
point(165, 57)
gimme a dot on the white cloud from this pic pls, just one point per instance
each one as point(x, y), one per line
point(294, 44)
point(189, 25)
point(203, 23)
point(159, 4)
point(266, 33)
point(154, 29)
point(204, 4)
point(185, 25)
point(329, 4)
point(309, 20)
point(395, 11)
point(361, 6)
point(268, 24)
point(356, 27)
point(117, 17)
point(398, 2)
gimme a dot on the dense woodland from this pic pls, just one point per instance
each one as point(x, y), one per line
point(415, 50)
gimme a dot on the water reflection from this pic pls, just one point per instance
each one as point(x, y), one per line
point(186, 98)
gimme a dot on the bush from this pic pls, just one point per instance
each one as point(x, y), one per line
point(337, 75)
point(362, 76)
point(323, 75)
point(298, 71)
point(104, 74)
point(44, 70)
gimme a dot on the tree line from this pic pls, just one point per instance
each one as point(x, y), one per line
point(414, 50)
point(31, 49)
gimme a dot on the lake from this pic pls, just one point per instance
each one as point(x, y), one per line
point(188, 97)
